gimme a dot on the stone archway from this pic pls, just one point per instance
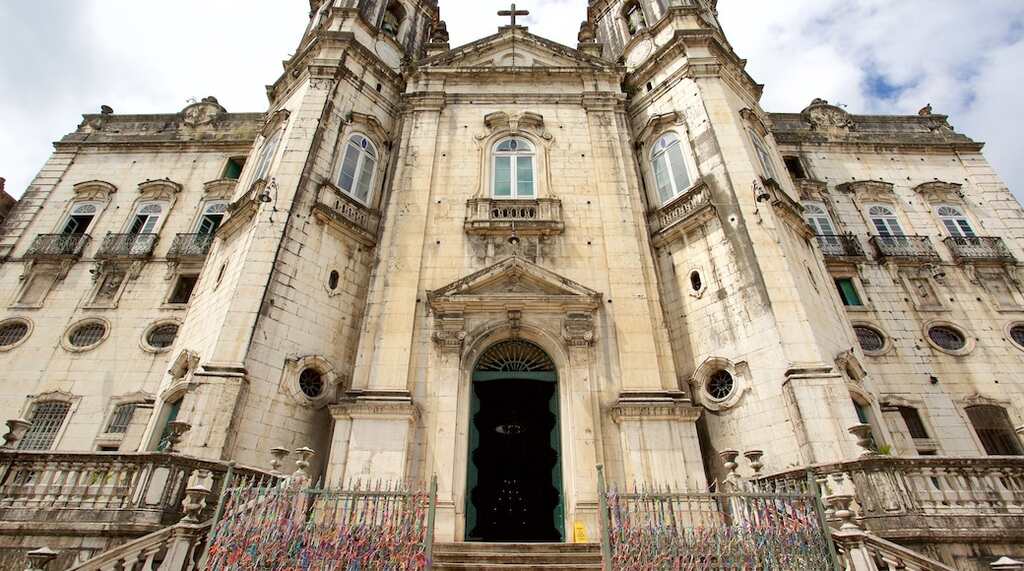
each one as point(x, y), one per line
point(514, 470)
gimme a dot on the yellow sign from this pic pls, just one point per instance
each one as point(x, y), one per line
point(579, 532)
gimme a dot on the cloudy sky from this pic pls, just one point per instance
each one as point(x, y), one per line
point(62, 58)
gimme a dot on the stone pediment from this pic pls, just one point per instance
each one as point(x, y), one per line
point(515, 47)
point(513, 283)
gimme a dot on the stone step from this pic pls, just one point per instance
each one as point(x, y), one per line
point(480, 547)
point(533, 567)
point(520, 558)
point(497, 556)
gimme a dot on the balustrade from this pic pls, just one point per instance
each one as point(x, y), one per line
point(979, 248)
point(190, 246)
point(681, 209)
point(905, 247)
point(56, 246)
point(836, 246)
point(335, 206)
point(132, 246)
point(542, 216)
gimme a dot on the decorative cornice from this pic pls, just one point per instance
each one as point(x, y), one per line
point(654, 406)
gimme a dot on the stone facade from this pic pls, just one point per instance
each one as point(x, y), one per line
point(354, 258)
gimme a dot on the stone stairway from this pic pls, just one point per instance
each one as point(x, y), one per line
point(522, 556)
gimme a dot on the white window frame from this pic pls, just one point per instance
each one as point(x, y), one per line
point(764, 155)
point(367, 152)
point(266, 156)
point(659, 152)
point(890, 221)
point(956, 225)
point(817, 217)
point(514, 157)
point(97, 204)
point(159, 217)
point(207, 206)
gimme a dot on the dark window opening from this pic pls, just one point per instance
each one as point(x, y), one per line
point(848, 292)
point(393, 17)
point(210, 223)
point(77, 225)
point(183, 289)
point(914, 423)
point(108, 449)
point(332, 281)
point(795, 167)
point(994, 429)
point(233, 170)
point(695, 282)
point(635, 20)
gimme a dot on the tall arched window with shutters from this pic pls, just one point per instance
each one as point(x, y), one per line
point(956, 222)
point(513, 169)
point(358, 168)
point(265, 158)
point(817, 217)
point(669, 166)
point(884, 219)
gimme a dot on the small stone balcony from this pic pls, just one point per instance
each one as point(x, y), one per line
point(346, 214)
point(190, 247)
point(127, 246)
point(58, 246)
point(979, 249)
point(926, 499)
point(681, 213)
point(905, 248)
point(495, 216)
point(841, 247)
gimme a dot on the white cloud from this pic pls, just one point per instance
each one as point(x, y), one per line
point(60, 59)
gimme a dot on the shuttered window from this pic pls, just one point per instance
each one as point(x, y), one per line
point(47, 418)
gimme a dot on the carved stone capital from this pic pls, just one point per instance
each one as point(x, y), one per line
point(654, 406)
point(578, 329)
point(377, 405)
point(449, 332)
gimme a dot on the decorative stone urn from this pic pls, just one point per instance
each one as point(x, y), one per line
point(17, 428)
point(195, 502)
point(840, 503)
point(754, 457)
point(278, 453)
point(301, 475)
point(863, 434)
point(1007, 564)
point(729, 461)
point(178, 429)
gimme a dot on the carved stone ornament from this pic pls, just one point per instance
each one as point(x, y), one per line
point(526, 120)
point(449, 332)
point(439, 32)
point(578, 329)
point(938, 191)
point(202, 113)
point(94, 190)
point(274, 121)
point(869, 190)
point(755, 121)
point(162, 189)
point(822, 115)
point(654, 406)
point(587, 33)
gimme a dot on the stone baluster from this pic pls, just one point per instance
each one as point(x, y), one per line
point(17, 428)
point(1007, 564)
point(39, 559)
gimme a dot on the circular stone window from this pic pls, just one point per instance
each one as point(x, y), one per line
point(12, 332)
point(87, 335)
point(871, 340)
point(1017, 334)
point(162, 336)
point(947, 338)
point(312, 383)
point(720, 385)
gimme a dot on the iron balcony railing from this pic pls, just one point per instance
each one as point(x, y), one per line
point(979, 248)
point(836, 246)
point(904, 247)
point(58, 246)
point(127, 246)
point(190, 246)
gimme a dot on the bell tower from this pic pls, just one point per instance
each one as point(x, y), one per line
point(753, 326)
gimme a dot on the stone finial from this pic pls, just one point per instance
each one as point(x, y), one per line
point(106, 110)
point(194, 502)
point(178, 429)
point(925, 111)
point(840, 503)
point(863, 434)
point(279, 454)
point(1007, 564)
point(586, 34)
point(38, 559)
point(729, 461)
point(302, 464)
point(439, 32)
point(754, 457)
point(17, 427)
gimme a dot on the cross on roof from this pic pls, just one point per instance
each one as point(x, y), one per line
point(513, 13)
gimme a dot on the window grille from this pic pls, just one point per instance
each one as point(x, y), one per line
point(163, 336)
point(12, 333)
point(720, 385)
point(870, 340)
point(312, 383)
point(948, 338)
point(914, 423)
point(47, 419)
point(121, 418)
point(87, 335)
point(994, 429)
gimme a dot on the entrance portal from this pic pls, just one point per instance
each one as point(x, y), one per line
point(515, 472)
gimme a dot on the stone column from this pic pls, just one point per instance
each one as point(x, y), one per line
point(372, 436)
point(659, 442)
point(820, 409)
point(443, 384)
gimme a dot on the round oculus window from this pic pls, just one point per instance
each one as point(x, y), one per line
point(1017, 334)
point(947, 338)
point(162, 336)
point(87, 335)
point(870, 339)
point(312, 383)
point(720, 385)
point(12, 332)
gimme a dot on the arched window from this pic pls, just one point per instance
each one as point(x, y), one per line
point(956, 222)
point(147, 217)
point(764, 155)
point(393, 18)
point(266, 156)
point(80, 218)
point(994, 429)
point(817, 217)
point(669, 166)
point(47, 419)
point(634, 15)
point(885, 221)
point(213, 215)
point(358, 168)
point(513, 169)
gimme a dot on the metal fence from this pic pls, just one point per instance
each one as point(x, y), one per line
point(382, 526)
point(648, 528)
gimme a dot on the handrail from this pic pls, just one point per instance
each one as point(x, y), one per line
point(861, 550)
point(173, 548)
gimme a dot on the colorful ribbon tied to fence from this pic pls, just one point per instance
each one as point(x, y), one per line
point(722, 532)
point(369, 528)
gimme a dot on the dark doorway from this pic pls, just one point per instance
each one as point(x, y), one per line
point(515, 483)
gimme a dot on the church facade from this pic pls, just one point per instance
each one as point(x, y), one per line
point(507, 263)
